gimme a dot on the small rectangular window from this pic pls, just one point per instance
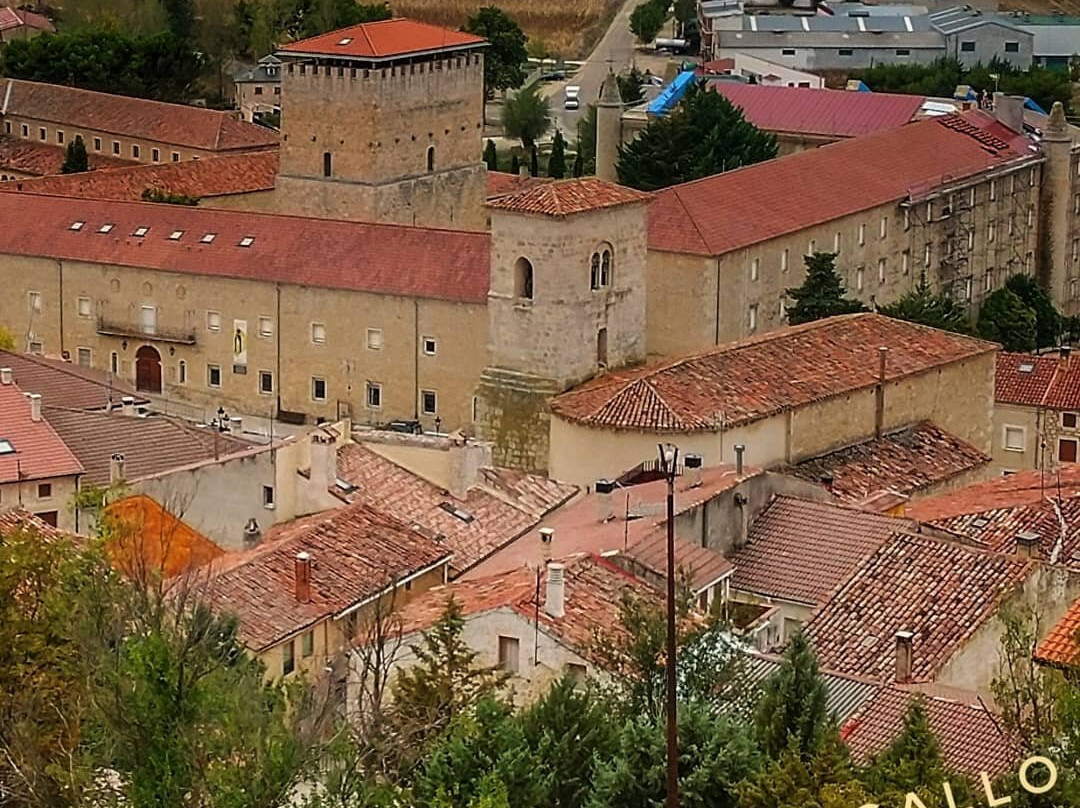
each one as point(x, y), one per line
point(266, 382)
point(755, 269)
point(116, 147)
point(577, 673)
point(905, 262)
point(993, 190)
point(811, 247)
point(97, 144)
point(907, 219)
point(106, 228)
point(991, 231)
point(903, 52)
point(859, 278)
point(247, 241)
point(44, 490)
point(862, 234)
point(34, 301)
point(181, 372)
point(134, 150)
point(509, 651)
point(84, 357)
point(1014, 438)
point(268, 496)
point(883, 230)
point(85, 307)
point(784, 260)
point(751, 316)
point(288, 658)
point(213, 375)
point(42, 134)
point(307, 644)
point(208, 238)
point(258, 90)
point(836, 242)
point(881, 270)
point(213, 321)
point(176, 235)
point(845, 52)
point(7, 127)
point(429, 402)
point(155, 155)
point(967, 47)
point(140, 231)
point(318, 389)
point(1012, 47)
point(430, 346)
point(25, 130)
point(114, 362)
point(374, 339)
point(318, 333)
point(266, 327)
point(1066, 450)
point(374, 395)
point(59, 136)
point(787, 52)
point(37, 348)
point(176, 157)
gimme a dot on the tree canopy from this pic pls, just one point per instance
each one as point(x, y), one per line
point(705, 135)
point(506, 52)
point(791, 714)
point(75, 160)
point(1006, 318)
point(556, 167)
point(647, 19)
point(526, 115)
point(922, 306)
point(822, 293)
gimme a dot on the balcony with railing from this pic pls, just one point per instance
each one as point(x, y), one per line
point(150, 332)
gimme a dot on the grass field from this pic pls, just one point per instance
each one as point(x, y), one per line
point(568, 28)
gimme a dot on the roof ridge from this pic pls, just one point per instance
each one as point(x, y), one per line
point(59, 366)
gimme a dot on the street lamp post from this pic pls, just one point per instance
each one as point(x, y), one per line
point(669, 457)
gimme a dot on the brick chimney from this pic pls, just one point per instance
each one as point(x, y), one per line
point(6, 376)
point(116, 469)
point(879, 393)
point(35, 406)
point(604, 507)
point(303, 577)
point(555, 602)
point(1027, 544)
point(904, 655)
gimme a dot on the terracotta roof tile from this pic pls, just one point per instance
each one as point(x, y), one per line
point(1037, 381)
point(150, 446)
point(213, 176)
point(703, 566)
point(356, 551)
point(500, 183)
point(173, 124)
point(970, 738)
point(39, 453)
point(799, 550)
point(738, 208)
point(503, 504)
point(366, 257)
point(939, 590)
point(1061, 647)
point(13, 519)
point(65, 384)
point(382, 40)
point(567, 197)
point(905, 461)
point(993, 512)
point(28, 157)
point(756, 377)
point(143, 536)
point(11, 19)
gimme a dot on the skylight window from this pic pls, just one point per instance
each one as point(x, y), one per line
point(141, 231)
point(345, 41)
point(1026, 367)
point(175, 235)
point(209, 237)
point(76, 226)
point(6, 447)
point(247, 241)
point(979, 522)
point(105, 228)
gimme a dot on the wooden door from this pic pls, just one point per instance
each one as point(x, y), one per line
point(148, 370)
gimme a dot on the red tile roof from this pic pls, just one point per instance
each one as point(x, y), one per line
point(1061, 647)
point(1038, 381)
point(39, 452)
point(812, 111)
point(800, 551)
point(173, 124)
point(64, 384)
point(759, 376)
point(970, 738)
point(905, 461)
point(702, 567)
point(738, 208)
point(151, 446)
point(356, 553)
point(941, 591)
point(500, 183)
point(216, 176)
point(11, 18)
point(365, 257)
point(993, 512)
point(16, 519)
point(503, 505)
point(382, 40)
point(144, 537)
point(567, 197)
point(28, 157)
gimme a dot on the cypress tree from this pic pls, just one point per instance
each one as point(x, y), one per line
point(822, 292)
point(579, 165)
point(76, 160)
point(556, 167)
point(515, 165)
point(534, 162)
point(791, 713)
point(491, 156)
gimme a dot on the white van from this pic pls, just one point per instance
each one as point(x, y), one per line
point(573, 95)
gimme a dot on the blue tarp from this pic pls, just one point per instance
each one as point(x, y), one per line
point(672, 94)
point(1029, 104)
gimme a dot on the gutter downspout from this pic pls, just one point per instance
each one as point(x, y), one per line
point(716, 337)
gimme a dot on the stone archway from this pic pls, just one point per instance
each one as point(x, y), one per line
point(148, 369)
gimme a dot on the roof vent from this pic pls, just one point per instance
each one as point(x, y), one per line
point(303, 577)
point(693, 463)
point(555, 602)
point(464, 516)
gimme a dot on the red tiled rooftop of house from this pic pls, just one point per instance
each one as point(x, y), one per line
point(992, 513)
point(11, 18)
point(173, 124)
point(799, 550)
point(29, 449)
point(384, 39)
point(814, 111)
point(65, 384)
point(758, 376)
point(356, 552)
point(17, 519)
point(144, 537)
point(725, 212)
point(41, 159)
point(500, 183)
point(1061, 647)
point(243, 173)
point(1038, 381)
point(904, 461)
point(567, 197)
point(971, 739)
point(358, 256)
point(940, 591)
point(703, 567)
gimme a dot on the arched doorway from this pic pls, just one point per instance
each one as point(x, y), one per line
point(148, 369)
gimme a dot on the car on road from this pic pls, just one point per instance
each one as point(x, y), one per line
point(555, 75)
point(573, 96)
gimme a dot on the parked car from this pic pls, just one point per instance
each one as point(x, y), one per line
point(573, 96)
point(555, 75)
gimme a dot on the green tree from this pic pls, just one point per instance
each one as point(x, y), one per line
point(647, 19)
point(506, 52)
point(7, 339)
point(515, 164)
point(75, 160)
point(631, 86)
point(556, 167)
point(705, 135)
point(534, 161)
point(1048, 322)
point(1005, 318)
point(715, 754)
point(825, 780)
point(792, 713)
point(579, 165)
point(685, 11)
point(491, 156)
point(586, 140)
point(180, 19)
point(822, 292)
point(920, 305)
point(526, 115)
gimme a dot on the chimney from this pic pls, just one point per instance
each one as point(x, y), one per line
point(739, 451)
point(547, 536)
point(35, 406)
point(236, 427)
point(904, 640)
point(252, 533)
point(1027, 544)
point(467, 457)
point(6, 376)
point(1064, 354)
point(555, 602)
point(827, 481)
point(303, 577)
point(116, 469)
point(604, 507)
point(523, 171)
point(879, 393)
point(127, 405)
point(1009, 110)
point(693, 470)
point(323, 455)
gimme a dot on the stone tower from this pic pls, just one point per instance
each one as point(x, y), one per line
point(608, 128)
point(1055, 210)
point(566, 301)
point(383, 122)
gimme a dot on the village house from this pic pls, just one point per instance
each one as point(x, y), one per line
point(257, 90)
point(17, 23)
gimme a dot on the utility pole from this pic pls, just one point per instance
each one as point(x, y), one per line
point(669, 457)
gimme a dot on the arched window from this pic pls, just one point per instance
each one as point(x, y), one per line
point(430, 158)
point(594, 271)
point(600, 267)
point(605, 268)
point(523, 278)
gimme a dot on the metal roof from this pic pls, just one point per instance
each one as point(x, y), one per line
point(844, 694)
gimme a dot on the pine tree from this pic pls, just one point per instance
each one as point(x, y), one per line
point(822, 292)
point(824, 781)
point(556, 167)
point(534, 162)
point(791, 713)
point(1048, 322)
point(579, 165)
point(920, 305)
point(491, 156)
point(1005, 318)
point(76, 160)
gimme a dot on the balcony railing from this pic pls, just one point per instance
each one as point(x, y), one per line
point(115, 328)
